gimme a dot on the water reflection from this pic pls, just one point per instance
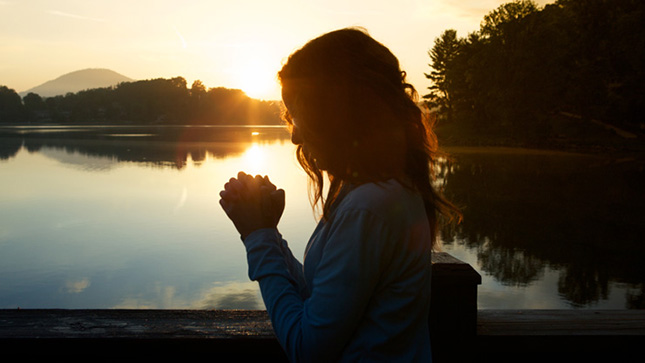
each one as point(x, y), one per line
point(231, 295)
point(526, 212)
point(165, 147)
point(77, 285)
point(89, 221)
point(9, 147)
point(238, 295)
point(128, 218)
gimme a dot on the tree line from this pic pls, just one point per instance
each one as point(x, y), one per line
point(528, 71)
point(156, 101)
point(526, 74)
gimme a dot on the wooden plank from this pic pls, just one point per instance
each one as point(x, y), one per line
point(506, 335)
point(573, 335)
point(139, 335)
point(561, 322)
point(224, 324)
point(141, 324)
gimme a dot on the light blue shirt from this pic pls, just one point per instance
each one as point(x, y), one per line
point(363, 292)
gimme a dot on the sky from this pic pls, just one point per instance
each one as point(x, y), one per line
point(224, 43)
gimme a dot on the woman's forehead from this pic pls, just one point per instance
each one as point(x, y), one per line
point(290, 104)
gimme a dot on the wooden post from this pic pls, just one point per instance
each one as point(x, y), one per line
point(453, 305)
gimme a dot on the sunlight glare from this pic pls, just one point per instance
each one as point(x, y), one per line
point(256, 79)
point(255, 160)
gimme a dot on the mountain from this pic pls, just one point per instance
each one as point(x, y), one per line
point(78, 81)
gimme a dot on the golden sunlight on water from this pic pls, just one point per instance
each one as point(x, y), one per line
point(276, 160)
point(255, 158)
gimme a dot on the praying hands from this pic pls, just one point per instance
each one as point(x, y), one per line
point(252, 203)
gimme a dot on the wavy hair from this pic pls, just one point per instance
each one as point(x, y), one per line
point(352, 104)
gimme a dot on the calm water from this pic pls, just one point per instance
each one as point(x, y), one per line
point(101, 217)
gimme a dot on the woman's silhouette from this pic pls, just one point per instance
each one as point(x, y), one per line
point(363, 291)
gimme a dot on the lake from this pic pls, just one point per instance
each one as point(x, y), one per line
point(103, 217)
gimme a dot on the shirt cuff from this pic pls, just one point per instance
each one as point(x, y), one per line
point(263, 253)
point(262, 234)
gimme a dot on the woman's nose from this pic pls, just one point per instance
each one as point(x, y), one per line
point(296, 138)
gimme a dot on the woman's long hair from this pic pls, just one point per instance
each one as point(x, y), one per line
point(349, 99)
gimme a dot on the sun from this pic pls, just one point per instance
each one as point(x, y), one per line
point(257, 80)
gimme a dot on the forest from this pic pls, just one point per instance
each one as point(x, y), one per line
point(572, 71)
point(147, 102)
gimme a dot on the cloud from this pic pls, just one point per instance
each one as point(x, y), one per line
point(234, 295)
point(135, 303)
point(220, 295)
point(73, 16)
point(75, 287)
point(476, 9)
point(157, 297)
point(181, 38)
point(182, 200)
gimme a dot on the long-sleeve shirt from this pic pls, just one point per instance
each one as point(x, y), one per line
point(363, 292)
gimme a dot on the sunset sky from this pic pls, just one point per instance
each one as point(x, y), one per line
point(231, 43)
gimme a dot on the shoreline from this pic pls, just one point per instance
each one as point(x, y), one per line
point(600, 151)
point(633, 148)
point(448, 141)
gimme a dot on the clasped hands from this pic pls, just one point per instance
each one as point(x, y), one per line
point(252, 203)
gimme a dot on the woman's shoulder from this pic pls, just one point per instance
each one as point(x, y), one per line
point(382, 197)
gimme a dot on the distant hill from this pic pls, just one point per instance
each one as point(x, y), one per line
point(78, 81)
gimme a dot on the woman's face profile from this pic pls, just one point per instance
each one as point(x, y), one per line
point(297, 138)
point(296, 134)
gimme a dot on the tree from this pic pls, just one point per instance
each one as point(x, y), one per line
point(33, 101)
point(197, 89)
point(494, 23)
point(11, 108)
point(151, 101)
point(34, 105)
point(197, 101)
point(525, 67)
point(442, 54)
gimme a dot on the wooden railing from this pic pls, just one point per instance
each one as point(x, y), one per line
point(460, 332)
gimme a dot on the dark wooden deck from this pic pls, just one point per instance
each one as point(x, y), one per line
point(581, 335)
point(460, 332)
point(505, 335)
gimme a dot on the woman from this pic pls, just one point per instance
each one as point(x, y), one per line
point(363, 292)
